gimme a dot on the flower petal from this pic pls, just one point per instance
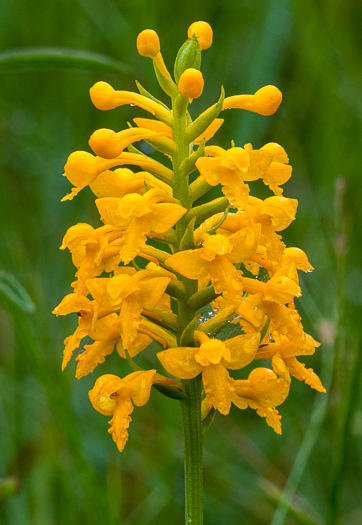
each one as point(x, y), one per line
point(302, 373)
point(92, 356)
point(120, 422)
point(140, 384)
point(180, 362)
point(101, 394)
point(164, 215)
point(189, 264)
point(218, 387)
point(243, 349)
point(245, 243)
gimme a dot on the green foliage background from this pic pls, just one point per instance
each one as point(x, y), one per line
point(57, 463)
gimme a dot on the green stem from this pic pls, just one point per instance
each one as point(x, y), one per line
point(193, 449)
point(191, 404)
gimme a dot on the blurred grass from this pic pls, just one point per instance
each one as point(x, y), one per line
point(55, 455)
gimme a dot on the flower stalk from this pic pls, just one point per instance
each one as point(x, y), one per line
point(193, 451)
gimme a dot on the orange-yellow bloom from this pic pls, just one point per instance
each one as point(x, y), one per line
point(129, 293)
point(263, 391)
point(212, 359)
point(113, 396)
point(139, 215)
point(223, 254)
point(231, 168)
point(216, 259)
point(285, 351)
point(93, 250)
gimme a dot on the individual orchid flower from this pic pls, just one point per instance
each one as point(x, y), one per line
point(216, 258)
point(113, 396)
point(262, 391)
point(283, 353)
point(212, 359)
point(139, 215)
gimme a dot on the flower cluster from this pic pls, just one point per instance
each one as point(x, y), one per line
point(216, 290)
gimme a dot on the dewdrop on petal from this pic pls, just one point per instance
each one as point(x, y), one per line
point(203, 33)
point(191, 83)
point(148, 43)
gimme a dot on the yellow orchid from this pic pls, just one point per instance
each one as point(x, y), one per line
point(216, 258)
point(129, 293)
point(262, 391)
point(285, 352)
point(278, 171)
point(113, 396)
point(235, 166)
point(101, 325)
point(175, 267)
point(212, 359)
point(227, 168)
point(93, 251)
point(87, 312)
point(139, 215)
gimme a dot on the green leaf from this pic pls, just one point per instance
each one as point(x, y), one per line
point(15, 292)
point(43, 57)
point(204, 120)
point(204, 211)
point(187, 166)
point(147, 94)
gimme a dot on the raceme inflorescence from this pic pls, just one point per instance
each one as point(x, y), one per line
point(201, 282)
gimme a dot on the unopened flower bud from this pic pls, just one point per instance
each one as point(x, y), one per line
point(105, 143)
point(191, 83)
point(267, 100)
point(102, 96)
point(203, 33)
point(148, 43)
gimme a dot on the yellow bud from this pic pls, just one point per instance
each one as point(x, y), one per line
point(81, 168)
point(203, 33)
point(102, 96)
point(105, 143)
point(267, 100)
point(148, 43)
point(191, 83)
